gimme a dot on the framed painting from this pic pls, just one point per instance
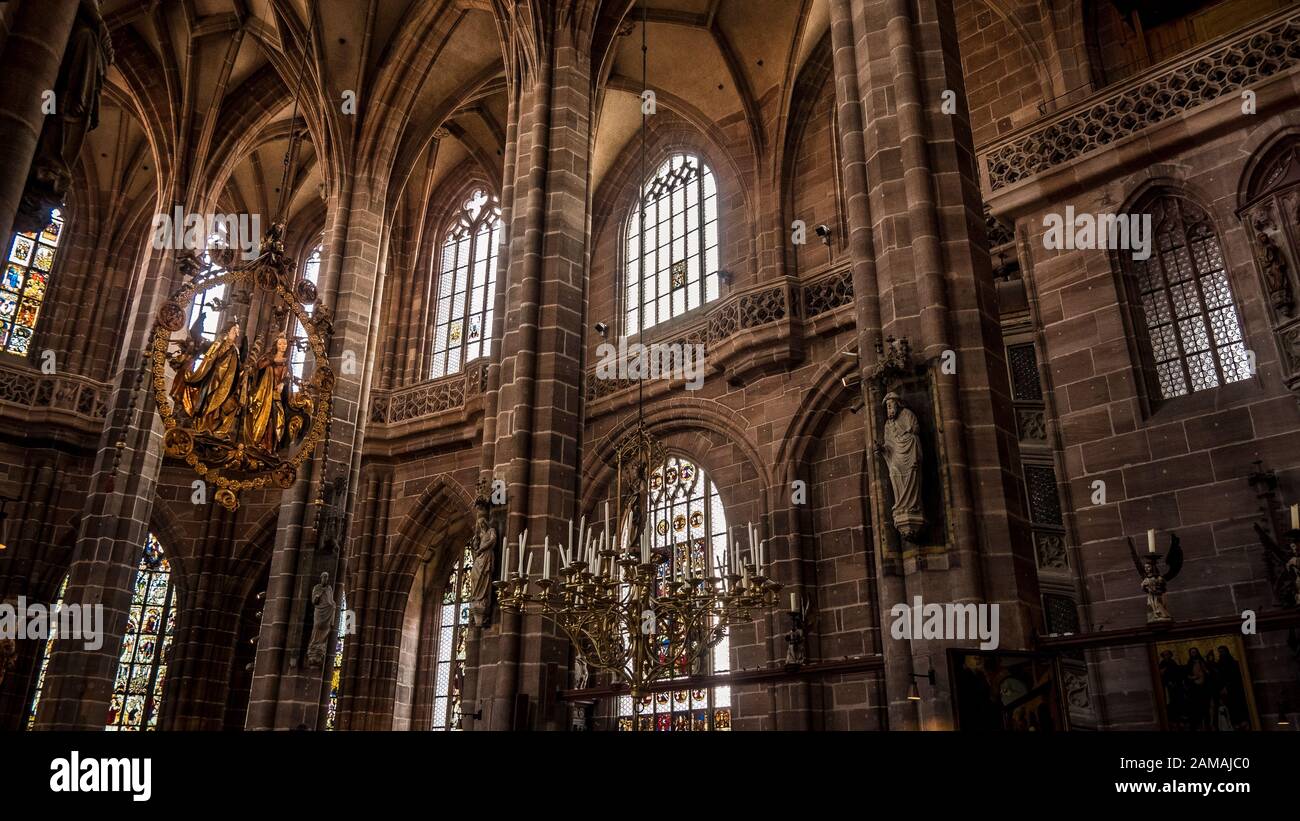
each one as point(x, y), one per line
point(1203, 685)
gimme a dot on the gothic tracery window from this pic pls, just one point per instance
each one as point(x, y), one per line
point(24, 284)
point(687, 524)
point(1186, 302)
point(467, 285)
point(449, 655)
point(45, 655)
point(142, 663)
point(298, 351)
point(672, 248)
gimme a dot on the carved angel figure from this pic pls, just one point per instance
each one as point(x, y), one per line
point(209, 393)
point(1154, 583)
point(1283, 566)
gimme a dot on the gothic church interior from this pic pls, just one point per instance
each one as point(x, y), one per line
point(650, 365)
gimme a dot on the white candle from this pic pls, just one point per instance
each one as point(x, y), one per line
point(505, 561)
point(569, 542)
point(605, 535)
point(546, 563)
point(794, 602)
point(1151, 541)
point(1295, 517)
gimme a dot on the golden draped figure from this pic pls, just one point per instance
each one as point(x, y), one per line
point(209, 393)
point(274, 414)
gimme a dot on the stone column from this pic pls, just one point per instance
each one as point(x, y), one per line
point(540, 389)
point(33, 52)
point(114, 522)
point(286, 693)
point(862, 253)
point(935, 288)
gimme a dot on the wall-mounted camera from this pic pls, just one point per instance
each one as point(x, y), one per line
point(602, 329)
point(824, 231)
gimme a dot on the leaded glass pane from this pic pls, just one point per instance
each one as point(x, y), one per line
point(142, 669)
point(26, 276)
point(688, 528)
point(666, 274)
point(467, 285)
point(1186, 302)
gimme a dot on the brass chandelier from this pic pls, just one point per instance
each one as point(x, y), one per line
point(608, 597)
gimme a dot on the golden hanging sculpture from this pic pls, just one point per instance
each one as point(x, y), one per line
point(241, 418)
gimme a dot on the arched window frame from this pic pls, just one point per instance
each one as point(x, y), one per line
point(46, 651)
point(451, 632)
point(1169, 307)
point(465, 283)
point(142, 673)
point(25, 283)
point(299, 347)
point(681, 266)
point(675, 532)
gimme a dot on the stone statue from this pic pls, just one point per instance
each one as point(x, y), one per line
point(1154, 583)
point(1274, 267)
point(322, 622)
point(483, 545)
point(1283, 566)
point(581, 673)
point(900, 446)
point(86, 59)
point(795, 651)
point(333, 512)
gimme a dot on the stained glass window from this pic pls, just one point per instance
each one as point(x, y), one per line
point(45, 655)
point(298, 356)
point(146, 645)
point(672, 254)
point(26, 279)
point(687, 524)
point(467, 285)
point(336, 674)
point(1186, 301)
point(453, 619)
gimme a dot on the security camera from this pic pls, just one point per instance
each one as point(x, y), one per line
point(602, 328)
point(824, 232)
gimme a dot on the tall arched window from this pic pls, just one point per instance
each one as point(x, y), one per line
point(207, 306)
point(1186, 302)
point(45, 655)
point(453, 621)
point(336, 671)
point(25, 281)
point(687, 524)
point(467, 285)
point(142, 664)
point(298, 357)
point(672, 255)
